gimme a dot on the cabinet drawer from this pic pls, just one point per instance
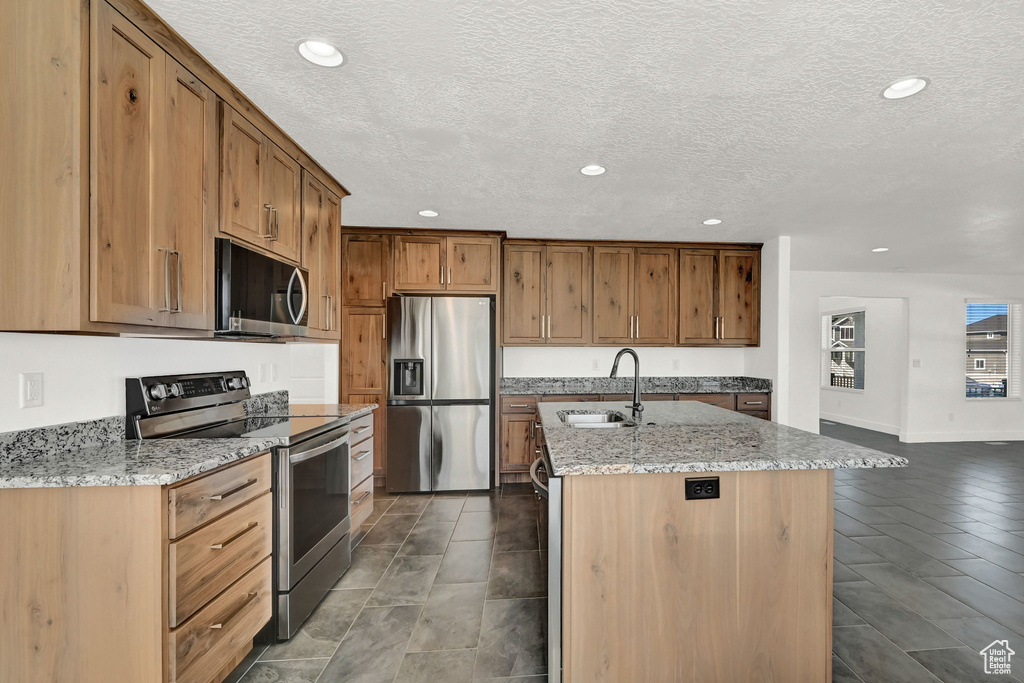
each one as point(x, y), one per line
point(362, 461)
point(721, 400)
point(752, 402)
point(198, 501)
point(763, 414)
point(644, 398)
point(207, 642)
point(570, 398)
point(519, 404)
point(207, 561)
point(360, 429)
point(362, 504)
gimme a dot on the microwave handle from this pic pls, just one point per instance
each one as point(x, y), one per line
point(305, 296)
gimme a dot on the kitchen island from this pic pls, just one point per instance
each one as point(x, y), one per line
point(694, 544)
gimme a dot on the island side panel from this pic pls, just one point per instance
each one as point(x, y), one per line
point(656, 587)
point(81, 579)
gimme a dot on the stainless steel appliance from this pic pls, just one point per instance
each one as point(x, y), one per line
point(549, 509)
point(257, 295)
point(311, 475)
point(440, 412)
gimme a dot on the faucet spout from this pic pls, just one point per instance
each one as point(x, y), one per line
point(637, 406)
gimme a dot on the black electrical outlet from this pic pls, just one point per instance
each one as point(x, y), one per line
point(705, 487)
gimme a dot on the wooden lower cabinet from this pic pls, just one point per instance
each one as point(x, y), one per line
point(361, 447)
point(88, 576)
point(520, 429)
point(659, 588)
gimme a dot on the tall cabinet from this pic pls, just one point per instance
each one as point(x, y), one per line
point(321, 253)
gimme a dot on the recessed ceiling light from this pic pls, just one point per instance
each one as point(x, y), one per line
point(428, 213)
point(905, 88)
point(879, 250)
point(321, 53)
point(592, 169)
point(712, 221)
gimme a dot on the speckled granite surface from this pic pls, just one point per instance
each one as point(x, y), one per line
point(270, 403)
point(687, 436)
point(547, 386)
point(29, 444)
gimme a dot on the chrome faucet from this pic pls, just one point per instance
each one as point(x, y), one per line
point(638, 407)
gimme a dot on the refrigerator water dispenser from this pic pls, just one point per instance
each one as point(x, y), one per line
point(408, 374)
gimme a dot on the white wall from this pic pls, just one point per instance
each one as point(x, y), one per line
point(935, 408)
point(879, 405)
point(84, 375)
point(771, 359)
point(562, 361)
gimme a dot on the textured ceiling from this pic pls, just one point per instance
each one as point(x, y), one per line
point(767, 115)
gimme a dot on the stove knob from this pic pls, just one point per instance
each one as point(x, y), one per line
point(157, 392)
point(235, 383)
point(176, 390)
point(246, 383)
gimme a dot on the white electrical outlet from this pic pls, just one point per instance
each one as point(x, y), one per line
point(675, 365)
point(273, 372)
point(917, 362)
point(31, 389)
point(595, 364)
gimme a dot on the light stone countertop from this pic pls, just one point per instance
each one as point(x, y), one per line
point(553, 386)
point(151, 462)
point(688, 436)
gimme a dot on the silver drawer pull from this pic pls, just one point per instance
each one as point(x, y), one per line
point(362, 497)
point(753, 403)
point(520, 405)
point(249, 597)
point(360, 430)
point(361, 455)
point(243, 532)
point(227, 494)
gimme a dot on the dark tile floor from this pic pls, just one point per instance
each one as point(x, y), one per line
point(928, 561)
point(442, 588)
point(929, 569)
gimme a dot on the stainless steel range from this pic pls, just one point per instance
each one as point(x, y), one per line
point(311, 475)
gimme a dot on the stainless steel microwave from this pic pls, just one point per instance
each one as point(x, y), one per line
point(257, 295)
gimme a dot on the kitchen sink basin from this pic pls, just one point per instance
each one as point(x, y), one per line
point(603, 419)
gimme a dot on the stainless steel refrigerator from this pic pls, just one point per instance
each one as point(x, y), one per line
point(441, 396)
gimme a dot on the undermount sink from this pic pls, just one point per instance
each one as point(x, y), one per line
point(606, 419)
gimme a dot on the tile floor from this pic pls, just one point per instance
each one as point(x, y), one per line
point(929, 569)
point(442, 588)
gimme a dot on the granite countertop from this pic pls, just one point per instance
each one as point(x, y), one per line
point(155, 462)
point(688, 436)
point(553, 386)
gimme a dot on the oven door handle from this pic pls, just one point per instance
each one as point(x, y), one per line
point(319, 450)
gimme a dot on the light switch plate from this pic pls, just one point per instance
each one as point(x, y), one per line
point(30, 386)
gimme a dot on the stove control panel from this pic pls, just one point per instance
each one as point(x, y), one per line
point(148, 396)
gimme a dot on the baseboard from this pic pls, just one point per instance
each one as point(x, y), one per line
point(863, 424)
point(949, 437)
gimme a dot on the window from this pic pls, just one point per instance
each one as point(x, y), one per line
point(842, 349)
point(993, 350)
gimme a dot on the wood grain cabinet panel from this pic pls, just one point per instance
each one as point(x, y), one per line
point(656, 295)
point(429, 263)
point(364, 362)
point(472, 264)
point(698, 310)
point(204, 498)
point(518, 442)
point(321, 253)
point(523, 295)
point(419, 264)
point(719, 297)
point(740, 292)
point(365, 270)
point(613, 294)
point(283, 191)
point(568, 295)
point(243, 148)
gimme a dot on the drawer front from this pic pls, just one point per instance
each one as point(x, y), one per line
point(207, 561)
point(362, 504)
point(720, 400)
point(205, 498)
point(763, 414)
point(644, 398)
point(567, 398)
point(207, 642)
point(362, 461)
point(519, 404)
point(752, 402)
point(361, 429)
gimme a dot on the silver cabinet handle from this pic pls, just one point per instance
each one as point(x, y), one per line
point(360, 430)
point(249, 597)
point(270, 219)
point(228, 541)
point(637, 327)
point(449, 276)
point(326, 324)
point(442, 275)
point(533, 430)
point(362, 456)
point(362, 497)
point(237, 489)
point(384, 290)
point(167, 280)
point(177, 267)
point(753, 403)
point(519, 405)
point(277, 224)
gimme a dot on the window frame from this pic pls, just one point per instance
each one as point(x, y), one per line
point(983, 363)
point(1014, 321)
point(827, 350)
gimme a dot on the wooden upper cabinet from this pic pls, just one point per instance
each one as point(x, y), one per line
point(568, 293)
point(739, 285)
point(419, 263)
point(523, 295)
point(365, 270)
point(363, 365)
point(321, 215)
point(261, 189)
point(472, 264)
point(720, 297)
point(614, 290)
point(154, 155)
point(330, 263)
point(654, 321)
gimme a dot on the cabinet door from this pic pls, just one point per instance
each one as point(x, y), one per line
point(187, 215)
point(419, 264)
point(472, 264)
point(568, 288)
point(330, 261)
point(314, 196)
point(518, 443)
point(697, 297)
point(283, 191)
point(243, 150)
point(613, 295)
point(656, 292)
point(522, 308)
point(363, 366)
point(365, 270)
point(740, 297)
point(126, 264)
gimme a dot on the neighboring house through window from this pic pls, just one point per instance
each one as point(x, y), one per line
point(843, 350)
point(993, 350)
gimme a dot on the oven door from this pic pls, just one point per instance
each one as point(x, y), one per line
point(313, 503)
